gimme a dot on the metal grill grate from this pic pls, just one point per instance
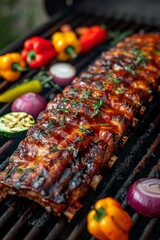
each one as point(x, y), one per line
point(22, 219)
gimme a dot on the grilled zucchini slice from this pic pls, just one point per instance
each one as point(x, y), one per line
point(15, 124)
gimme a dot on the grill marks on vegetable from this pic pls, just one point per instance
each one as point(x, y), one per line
point(78, 132)
point(15, 120)
point(15, 123)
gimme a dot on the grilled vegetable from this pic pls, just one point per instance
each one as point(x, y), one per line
point(11, 66)
point(15, 124)
point(108, 220)
point(38, 52)
point(63, 73)
point(92, 37)
point(30, 103)
point(144, 196)
point(66, 44)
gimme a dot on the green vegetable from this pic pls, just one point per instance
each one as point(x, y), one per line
point(11, 94)
point(15, 124)
point(35, 85)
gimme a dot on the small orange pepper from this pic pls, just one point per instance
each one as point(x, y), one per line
point(11, 66)
point(108, 221)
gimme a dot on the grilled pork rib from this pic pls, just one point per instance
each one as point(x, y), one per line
point(74, 138)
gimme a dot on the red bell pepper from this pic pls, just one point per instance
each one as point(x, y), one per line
point(38, 52)
point(92, 37)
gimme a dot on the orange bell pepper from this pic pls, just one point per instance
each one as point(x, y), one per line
point(11, 66)
point(108, 221)
point(66, 44)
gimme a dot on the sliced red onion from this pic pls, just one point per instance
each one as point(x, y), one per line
point(62, 73)
point(31, 103)
point(144, 196)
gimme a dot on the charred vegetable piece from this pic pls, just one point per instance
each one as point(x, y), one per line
point(14, 124)
point(108, 220)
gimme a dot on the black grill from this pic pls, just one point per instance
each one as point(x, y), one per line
point(21, 218)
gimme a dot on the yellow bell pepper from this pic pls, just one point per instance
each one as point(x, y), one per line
point(11, 66)
point(66, 44)
point(108, 221)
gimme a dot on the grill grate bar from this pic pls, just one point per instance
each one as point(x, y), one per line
point(147, 233)
point(18, 226)
point(6, 217)
point(155, 170)
point(36, 231)
point(57, 229)
point(7, 146)
point(78, 230)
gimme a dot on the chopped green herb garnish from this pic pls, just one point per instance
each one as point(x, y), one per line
point(31, 169)
point(130, 69)
point(74, 103)
point(85, 130)
point(82, 128)
point(74, 90)
point(50, 123)
point(19, 170)
point(44, 132)
point(101, 88)
point(62, 122)
point(140, 58)
point(47, 132)
point(80, 139)
point(97, 106)
point(54, 149)
point(65, 110)
point(87, 93)
point(119, 90)
point(73, 150)
point(114, 79)
point(70, 149)
point(65, 99)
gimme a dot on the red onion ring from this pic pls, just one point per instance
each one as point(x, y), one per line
point(62, 73)
point(144, 196)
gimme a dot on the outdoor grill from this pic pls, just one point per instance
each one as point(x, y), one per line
point(139, 156)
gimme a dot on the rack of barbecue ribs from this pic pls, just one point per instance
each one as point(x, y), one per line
point(65, 152)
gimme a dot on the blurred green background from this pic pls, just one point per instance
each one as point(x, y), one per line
point(18, 17)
